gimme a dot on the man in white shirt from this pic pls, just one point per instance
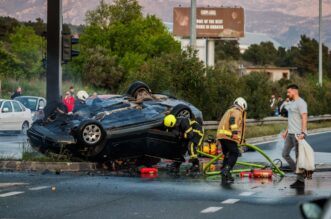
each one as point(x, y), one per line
point(297, 129)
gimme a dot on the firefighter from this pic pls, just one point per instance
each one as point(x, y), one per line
point(192, 133)
point(230, 134)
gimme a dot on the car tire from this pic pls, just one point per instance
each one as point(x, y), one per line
point(89, 146)
point(90, 133)
point(182, 111)
point(137, 86)
point(25, 127)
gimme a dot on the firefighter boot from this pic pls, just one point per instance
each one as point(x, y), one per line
point(175, 167)
point(194, 169)
point(226, 175)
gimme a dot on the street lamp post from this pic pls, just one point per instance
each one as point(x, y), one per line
point(320, 63)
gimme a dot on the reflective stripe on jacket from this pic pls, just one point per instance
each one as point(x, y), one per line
point(191, 130)
point(233, 123)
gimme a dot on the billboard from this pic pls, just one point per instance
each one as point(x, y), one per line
point(210, 23)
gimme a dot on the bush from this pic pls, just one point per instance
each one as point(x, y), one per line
point(256, 89)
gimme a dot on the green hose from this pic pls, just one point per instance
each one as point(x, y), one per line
point(219, 157)
point(275, 168)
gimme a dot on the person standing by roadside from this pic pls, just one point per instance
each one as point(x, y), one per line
point(72, 91)
point(69, 101)
point(297, 129)
point(17, 93)
point(272, 105)
point(282, 109)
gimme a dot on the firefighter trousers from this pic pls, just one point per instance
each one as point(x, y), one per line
point(231, 153)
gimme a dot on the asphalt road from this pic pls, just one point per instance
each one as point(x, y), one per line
point(320, 142)
point(30, 195)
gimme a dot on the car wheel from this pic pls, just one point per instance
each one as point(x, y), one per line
point(92, 134)
point(25, 127)
point(137, 87)
point(91, 138)
point(182, 111)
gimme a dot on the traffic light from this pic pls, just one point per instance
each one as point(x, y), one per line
point(67, 52)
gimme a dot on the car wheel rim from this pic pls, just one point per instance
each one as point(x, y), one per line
point(184, 114)
point(92, 134)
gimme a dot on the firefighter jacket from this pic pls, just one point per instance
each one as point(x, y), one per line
point(232, 125)
point(190, 130)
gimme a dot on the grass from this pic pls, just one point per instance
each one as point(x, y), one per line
point(29, 154)
point(274, 129)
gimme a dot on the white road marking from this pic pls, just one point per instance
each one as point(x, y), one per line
point(246, 193)
point(10, 194)
point(319, 133)
point(230, 201)
point(39, 188)
point(211, 210)
point(312, 134)
point(265, 142)
point(4, 185)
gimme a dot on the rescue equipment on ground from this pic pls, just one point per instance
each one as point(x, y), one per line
point(262, 173)
point(246, 174)
point(210, 148)
point(149, 170)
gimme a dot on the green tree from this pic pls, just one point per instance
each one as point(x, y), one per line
point(10, 66)
point(122, 11)
point(127, 36)
point(7, 26)
point(179, 74)
point(102, 70)
point(227, 50)
point(306, 58)
point(255, 88)
point(261, 54)
point(25, 45)
point(221, 89)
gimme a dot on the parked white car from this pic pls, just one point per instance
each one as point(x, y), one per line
point(14, 116)
point(35, 104)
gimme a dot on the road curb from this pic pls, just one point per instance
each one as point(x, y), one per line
point(274, 137)
point(51, 166)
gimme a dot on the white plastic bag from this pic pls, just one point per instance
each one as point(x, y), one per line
point(306, 157)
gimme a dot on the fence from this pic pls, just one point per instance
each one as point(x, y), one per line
point(213, 125)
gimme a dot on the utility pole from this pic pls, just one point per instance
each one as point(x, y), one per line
point(54, 50)
point(320, 57)
point(193, 19)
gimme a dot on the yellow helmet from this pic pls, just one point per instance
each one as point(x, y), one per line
point(170, 121)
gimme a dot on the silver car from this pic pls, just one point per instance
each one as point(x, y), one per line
point(14, 116)
point(35, 104)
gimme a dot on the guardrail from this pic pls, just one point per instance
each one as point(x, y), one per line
point(213, 125)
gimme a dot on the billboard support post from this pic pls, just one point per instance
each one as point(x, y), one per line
point(193, 18)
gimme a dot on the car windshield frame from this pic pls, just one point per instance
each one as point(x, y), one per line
point(25, 101)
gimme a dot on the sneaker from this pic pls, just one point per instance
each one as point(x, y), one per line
point(297, 184)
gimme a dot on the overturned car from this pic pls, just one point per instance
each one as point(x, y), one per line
point(115, 127)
